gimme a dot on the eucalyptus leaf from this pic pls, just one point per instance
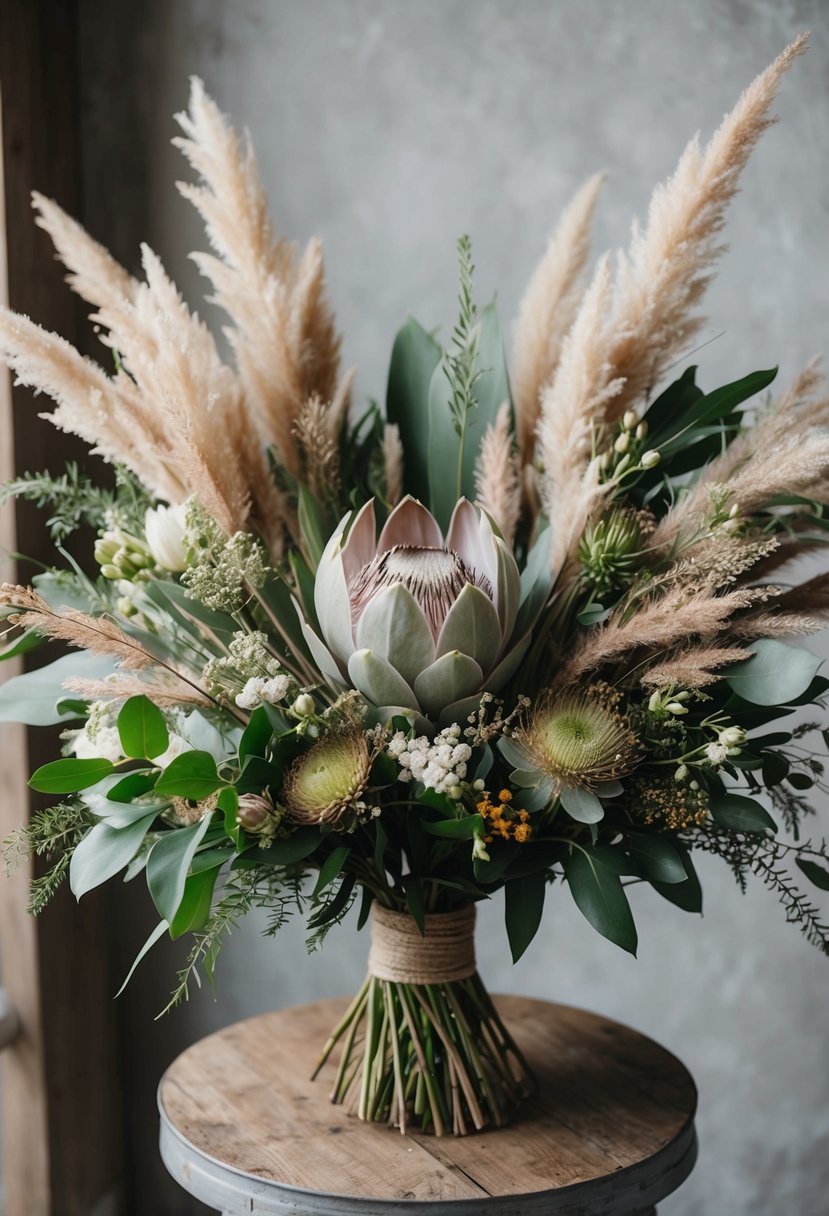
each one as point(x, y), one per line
point(104, 852)
point(168, 864)
point(776, 674)
point(70, 775)
point(415, 355)
point(191, 775)
point(523, 909)
point(581, 805)
point(34, 698)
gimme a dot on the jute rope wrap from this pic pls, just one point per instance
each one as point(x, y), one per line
point(446, 952)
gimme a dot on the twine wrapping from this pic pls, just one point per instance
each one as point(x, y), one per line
point(445, 953)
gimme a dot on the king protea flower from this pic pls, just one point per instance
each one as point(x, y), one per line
point(415, 621)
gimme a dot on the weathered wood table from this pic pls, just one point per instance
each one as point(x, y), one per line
point(610, 1131)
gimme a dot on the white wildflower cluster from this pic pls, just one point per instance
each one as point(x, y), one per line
point(439, 763)
point(225, 568)
point(248, 674)
point(264, 692)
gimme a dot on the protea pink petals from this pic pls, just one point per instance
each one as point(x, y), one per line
point(411, 619)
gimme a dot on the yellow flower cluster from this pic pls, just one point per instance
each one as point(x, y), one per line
point(503, 820)
point(663, 802)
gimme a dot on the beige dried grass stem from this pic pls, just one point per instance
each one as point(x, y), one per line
point(622, 342)
point(547, 310)
point(497, 475)
point(282, 333)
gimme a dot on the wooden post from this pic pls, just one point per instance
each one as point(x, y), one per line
point(62, 1116)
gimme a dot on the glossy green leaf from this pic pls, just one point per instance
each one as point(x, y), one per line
point(456, 829)
point(168, 864)
point(286, 852)
point(596, 887)
point(686, 895)
point(256, 736)
point(27, 641)
point(104, 852)
point(142, 729)
point(191, 775)
point(196, 901)
point(69, 775)
point(523, 909)
point(776, 674)
point(657, 857)
point(415, 355)
point(331, 868)
point(741, 814)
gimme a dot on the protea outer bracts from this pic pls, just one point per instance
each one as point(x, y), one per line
point(417, 622)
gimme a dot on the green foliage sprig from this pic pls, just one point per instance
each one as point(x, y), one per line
point(76, 501)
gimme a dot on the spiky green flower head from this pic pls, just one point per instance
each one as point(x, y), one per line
point(324, 784)
point(612, 548)
point(579, 739)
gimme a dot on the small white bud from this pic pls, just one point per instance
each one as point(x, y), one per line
point(735, 511)
point(622, 443)
point(479, 852)
point(681, 772)
point(650, 459)
point(165, 528)
point(676, 707)
point(479, 784)
point(642, 430)
point(630, 419)
point(732, 736)
point(304, 706)
point(655, 702)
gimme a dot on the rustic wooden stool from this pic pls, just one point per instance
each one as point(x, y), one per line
point(610, 1131)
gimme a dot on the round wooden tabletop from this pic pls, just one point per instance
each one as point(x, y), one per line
point(611, 1129)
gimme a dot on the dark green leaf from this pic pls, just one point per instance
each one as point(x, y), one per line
point(69, 775)
point(331, 868)
point(156, 935)
point(657, 857)
point(286, 852)
point(142, 729)
point(333, 909)
point(815, 873)
point(313, 524)
point(191, 775)
point(685, 895)
point(456, 829)
point(775, 768)
point(740, 814)
point(366, 901)
point(384, 770)
point(256, 736)
point(22, 645)
point(194, 909)
point(131, 786)
point(523, 908)
point(599, 895)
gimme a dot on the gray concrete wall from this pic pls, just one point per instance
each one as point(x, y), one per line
point(389, 127)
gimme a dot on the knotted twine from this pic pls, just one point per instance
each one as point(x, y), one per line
point(445, 952)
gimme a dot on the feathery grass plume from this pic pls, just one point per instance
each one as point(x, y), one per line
point(98, 634)
point(166, 688)
point(318, 452)
point(802, 609)
point(547, 310)
point(93, 273)
point(283, 334)
point(90, 404)
point(748, 466)
point(497, 475)
point(617, 349)
point(693, 668)
point(392, 463)
point(658, 625)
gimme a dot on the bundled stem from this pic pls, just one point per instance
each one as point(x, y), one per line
point(426, 1057)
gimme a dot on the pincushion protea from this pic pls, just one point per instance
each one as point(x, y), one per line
point(418, 622)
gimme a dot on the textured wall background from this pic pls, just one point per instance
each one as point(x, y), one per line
point(389, 128)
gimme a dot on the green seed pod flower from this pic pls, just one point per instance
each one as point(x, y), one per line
point(611, 549)
point(579, 741)
point(324, 784)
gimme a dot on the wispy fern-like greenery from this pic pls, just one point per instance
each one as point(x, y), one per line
point(52, 833)
point(461, 361)
point(75, 500)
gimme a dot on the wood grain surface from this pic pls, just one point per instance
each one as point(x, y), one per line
point(613, 1118)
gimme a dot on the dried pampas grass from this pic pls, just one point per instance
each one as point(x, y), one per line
point(547, 310)
point(497, 475)
point(693, 668)
point(283, 335)
point(623, 340)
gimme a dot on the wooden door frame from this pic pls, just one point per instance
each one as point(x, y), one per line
point(62, 1113)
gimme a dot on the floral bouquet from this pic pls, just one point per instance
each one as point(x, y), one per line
point(504, 634)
